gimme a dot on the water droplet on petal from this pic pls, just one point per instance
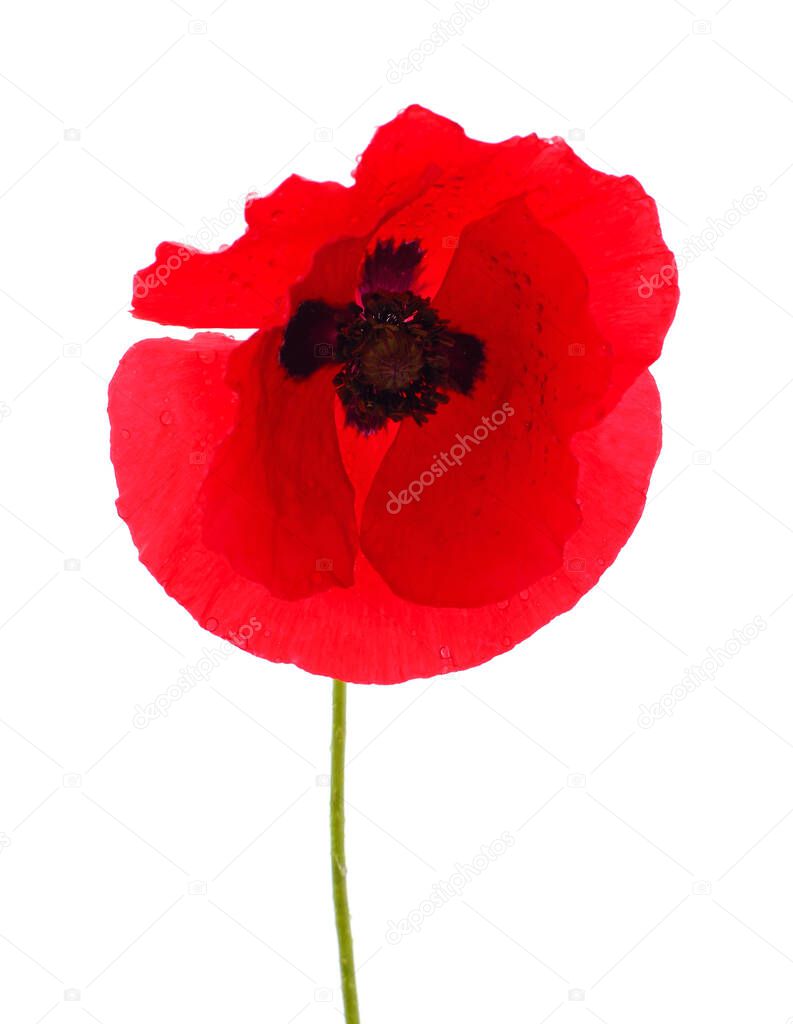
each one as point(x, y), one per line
point(445, 652)
point(212, 625)
point(126, 434)
point(502, 605)
point(524, 595)
point(166, 417)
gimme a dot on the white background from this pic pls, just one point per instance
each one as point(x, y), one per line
point(180, 872)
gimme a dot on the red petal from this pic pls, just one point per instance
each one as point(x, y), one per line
point(247, 284)
point(421, 178)
point(211, 436)
point(608, 223)
point(363, 633)
point(497, 519)
point(611, 226)
point(470, 178)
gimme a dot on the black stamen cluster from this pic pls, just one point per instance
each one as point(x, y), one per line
point(396, 352)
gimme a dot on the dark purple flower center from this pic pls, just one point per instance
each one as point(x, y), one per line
point(398, 357)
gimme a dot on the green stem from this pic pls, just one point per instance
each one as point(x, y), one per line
point(338, 862)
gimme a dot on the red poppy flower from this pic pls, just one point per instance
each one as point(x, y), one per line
point(442, 430)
